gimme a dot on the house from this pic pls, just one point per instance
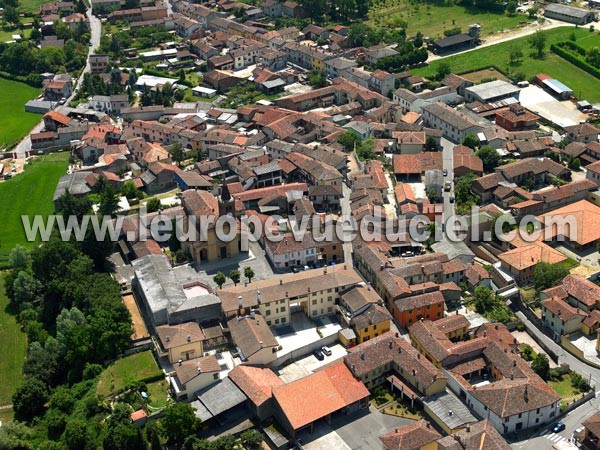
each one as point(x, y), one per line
point(516, 118)
point(180, 342)
point(521, 261)
point(193, 375)
point(578, 16)
point(99, 63)
point(408, 310)
point(409, 142)
point(110, 104)
point(61, 86)
point(159, 177)
point(454, 124)
point(328, 391)
point(414, 102)
point(411, 167)
point(419, 435)
point(583, 132)
point(474, 437)
point(466, 162)
point(577, 291)
point(53, 120)
point(560, 317)
point(375, 361)
point(591, 436)
point(456, 42)
point(254, 340)
point(535, 171)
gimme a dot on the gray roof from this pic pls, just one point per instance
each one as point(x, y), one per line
point(158, 282)
point(567, 10)
point(217, 399)
point(273, 166)
point(274, 83)
point(342, 63)
point(493, 89)
point(454, 250)
point(74, 183)
point(447, 114)
point(449, 409)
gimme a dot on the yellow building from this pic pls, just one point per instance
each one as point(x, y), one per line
point(206, 245)
point(181, 342)
point(419, 435)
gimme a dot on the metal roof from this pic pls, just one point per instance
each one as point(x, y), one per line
point(449, 409)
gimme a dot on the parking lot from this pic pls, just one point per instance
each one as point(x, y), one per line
point(540, 102)
point(307, 365)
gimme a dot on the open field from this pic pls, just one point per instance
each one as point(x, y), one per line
point(432, 20)
point(584, 85)
point(6, 35)
point(125, 371)
point(30, 6)
point(14, 343)
point(480, 75)
point(14, 121)
point(28, 193)
point(589, 41)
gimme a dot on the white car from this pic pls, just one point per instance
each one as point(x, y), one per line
point(326, 350)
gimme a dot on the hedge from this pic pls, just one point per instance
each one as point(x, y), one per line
point(576, 60)
point(33, 79)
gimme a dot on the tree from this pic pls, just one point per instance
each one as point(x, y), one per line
point(443, 69)
point(70, 205)
point(541, 366)
point(546, 275)
point(489, 156)
point(575, 164)
point(109, 201)
point(251, 439)
point(177, 153)
point(19, 258)
point(418, 40)
point(179, 422)
point(249, 273)
point(25, 288)
point(471, 141)
point(29, 399)
point(220, 279)
point(235, 276)
point(515, 55)
point(77, 435)
point(532, 12)
point(153, 205)
point(130, 191)
point(11, 15)
point(537, 41)
point(316, 78)
point(431, 144)
point(511, 7)
point(124, 436)
point(348, 139)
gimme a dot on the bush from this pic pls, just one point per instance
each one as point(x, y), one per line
point(574, 58)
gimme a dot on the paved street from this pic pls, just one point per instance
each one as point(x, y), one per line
point(346, 212)
point(95, 33)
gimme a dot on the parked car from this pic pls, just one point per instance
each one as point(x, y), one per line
point(558, 427)
point(451, 199)
point(319, 355)
point(445, 172)
point(447, 186)
point(326, 350)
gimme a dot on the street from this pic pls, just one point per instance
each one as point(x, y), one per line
point(24, 146)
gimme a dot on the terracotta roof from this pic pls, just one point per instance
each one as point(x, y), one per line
point(417, 164)
point(577, 287)
point(529, 255)
point(177, 335)
point(190, 369)
point(251, 334)
point(561, 309)
point(419, 301)
point(58, 117)
point(587, 219)
point(315, 396)
point(256, 383)
point(478, 436)
point(411, 437)
point(593, 424)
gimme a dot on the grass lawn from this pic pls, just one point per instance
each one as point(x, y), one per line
point(124, 371)
point(30, 6)
point(14, 343)
point(564, 388)
point(432, 20)
point(589, 41)
point(14, 121)
point(403, 410)
point(158, 394)
point(28, 193)
point(583, 84)
point(6, 35)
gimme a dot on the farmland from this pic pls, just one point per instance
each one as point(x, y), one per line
point(14, 121)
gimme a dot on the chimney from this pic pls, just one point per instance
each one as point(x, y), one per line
point(258, 297)
point(180, 362)
point(189, 338)
point(280, 282)
point(390, 345)
point(468, 429)
point(239, 302)
point(168, 338)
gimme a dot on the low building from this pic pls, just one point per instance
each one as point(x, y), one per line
point(579, 292)
point(578, 16)
point(180, 342)
point(193, 375)
point(477, 436)
point(560, 317)
point(492, 91)
point(258, 385)
point(254, 340)
point(419, 435)
point(580, 222)
point(430, 306)
point(591, 433)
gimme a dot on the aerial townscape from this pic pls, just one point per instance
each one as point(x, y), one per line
point(299, 224)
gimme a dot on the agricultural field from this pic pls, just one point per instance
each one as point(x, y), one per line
point(126, 371)
point(590, 41)
point(14, 121)
point(14, 343)
point(584, 85)
point(29, 193)
point(432, 20)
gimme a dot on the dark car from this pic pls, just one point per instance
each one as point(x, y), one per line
point(558, 427)
point(445, 172)
point(451, 199)
point(319, 355)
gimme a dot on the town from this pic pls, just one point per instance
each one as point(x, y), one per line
point(425, 118)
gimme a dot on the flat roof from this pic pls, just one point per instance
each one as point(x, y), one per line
point(557, 86)
point(449, 409)
point(493, 89)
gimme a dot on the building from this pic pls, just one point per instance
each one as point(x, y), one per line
point(258, 385)
point(99, 63)
point(492, 91)
point(331, 390)
point(458, 41)
point(521, 261)
point(253, 338)
point(430, 305)
point(361, 310)
point(583, 132)
point(315, 291)
point(579, 292)
point(516, 118)
point(578, 16)
point(193, 375)
point(169, 300)
point(476, 436)
point(180, 342)
point(110, 104)
point(419, 435)
point(577, 224)
point(374, 361)
point(591, 436)
point(560, 317)
point(454, 124)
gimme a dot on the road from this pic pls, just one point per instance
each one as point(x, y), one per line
point(346, 213)
point(545, 438)
point(95, 33)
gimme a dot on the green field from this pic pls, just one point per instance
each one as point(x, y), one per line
point(14, 343)
point(28, 193)
point(584, 85)
point(432, 20)
point(125, 371)
point(589, 41)
point(14, 121)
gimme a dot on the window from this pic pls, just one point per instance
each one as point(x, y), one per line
point(314, 302)
point(268, 322)
point(216, 376)
point(282, 309)
point(276, 321)
point(268, 312)
point(283, 320)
